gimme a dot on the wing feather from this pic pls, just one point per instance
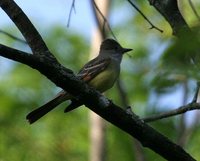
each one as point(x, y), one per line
point(93, 68)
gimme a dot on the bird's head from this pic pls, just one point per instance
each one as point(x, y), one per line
point(112, 45)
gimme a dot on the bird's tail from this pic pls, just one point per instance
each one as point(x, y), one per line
point(43, 110)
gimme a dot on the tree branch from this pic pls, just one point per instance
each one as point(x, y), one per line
point(33, 61)
point(178, 111)
point(169, 10)
point(25, 26)
point(70, 12)
point(16, 55)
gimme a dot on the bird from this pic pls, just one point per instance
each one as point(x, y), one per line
point(101, 73)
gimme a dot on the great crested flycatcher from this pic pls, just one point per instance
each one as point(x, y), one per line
point(100, 73)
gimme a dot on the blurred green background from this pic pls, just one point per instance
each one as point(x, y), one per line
point(150, 87)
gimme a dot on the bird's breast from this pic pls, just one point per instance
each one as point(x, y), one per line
point(106, 79)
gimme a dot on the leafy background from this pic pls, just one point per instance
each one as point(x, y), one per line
point(150, 86)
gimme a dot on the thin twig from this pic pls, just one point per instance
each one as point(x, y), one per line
point(178, 111)
point(13, 37)
point(70, 12)
point(194, 10)
point(105, 20)
point(152, 25)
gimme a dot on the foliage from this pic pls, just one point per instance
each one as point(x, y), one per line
point(148, 75)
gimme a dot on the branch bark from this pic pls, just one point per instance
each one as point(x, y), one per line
point(169, 10)
point(65, 79)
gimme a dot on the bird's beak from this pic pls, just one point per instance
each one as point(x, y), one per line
point(124, 50)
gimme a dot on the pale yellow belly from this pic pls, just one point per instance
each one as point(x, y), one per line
point(106, 79)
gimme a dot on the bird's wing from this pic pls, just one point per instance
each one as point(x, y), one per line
point(93, 68)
